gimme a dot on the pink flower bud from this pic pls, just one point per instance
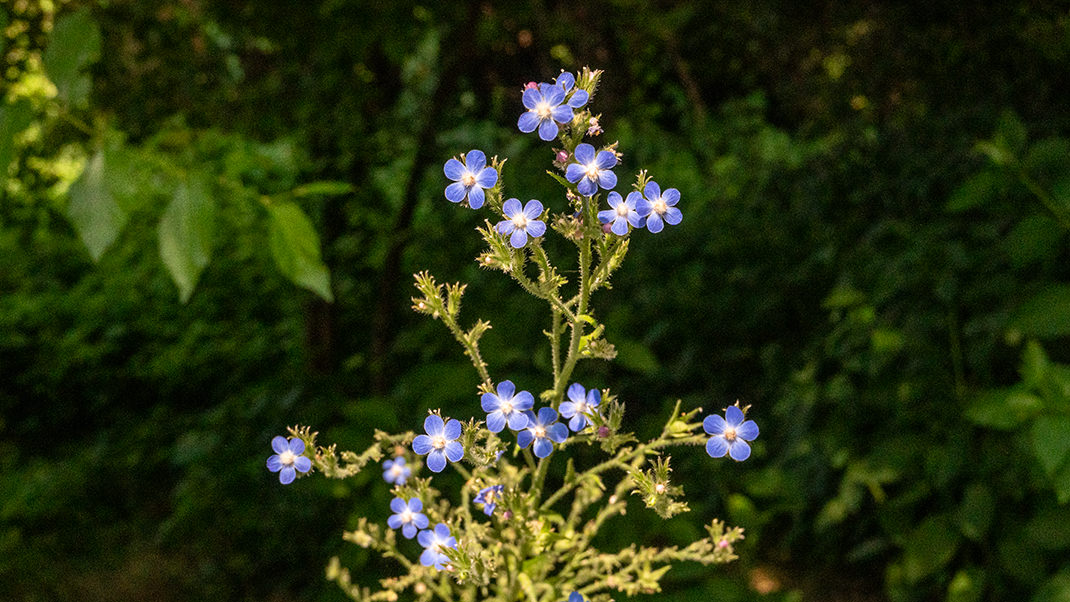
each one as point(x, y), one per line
point(562, 156)
point(531, 86)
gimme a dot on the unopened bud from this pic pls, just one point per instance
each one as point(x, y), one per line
point(531, 86)
point(659, 488)
point(562, 156)
point(603, 431)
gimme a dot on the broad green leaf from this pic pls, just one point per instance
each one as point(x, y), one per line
point(185, 234)
point(322, 188)
point(976, 512)
point(75, 44)
point(296, 248)
point(1035, 238)
point(1046, 314)
point(92, 209)
point(1057, 589)
point(13, 119)
point(1051, 443)
point(979, 189)
point(1004, 409)
point(929, 547)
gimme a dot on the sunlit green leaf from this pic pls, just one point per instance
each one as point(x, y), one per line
point(929, 547)
point(75, 44)
point(1004, 409)
point(185, 234)
point(92, 209)
point(296, 248)
point(1046, 314)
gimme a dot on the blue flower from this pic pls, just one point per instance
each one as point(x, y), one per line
point(434, 542)
point(506, 408)
point(396, 472)
point(489, 498)
point(576, 597)
point(521, 223)
point(566, 81)
point(543, 430)
point(287, 459)
point(470, 178)
point(730, 434)
point(659, 207)
point(581, 402)
point(407, 515)
point(544, 110)
point(439, 444)
point(622, 213)
point(591, 170)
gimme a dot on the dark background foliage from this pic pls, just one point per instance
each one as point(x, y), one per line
point(851, 262)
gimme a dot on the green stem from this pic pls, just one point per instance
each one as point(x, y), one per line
point(471, 348)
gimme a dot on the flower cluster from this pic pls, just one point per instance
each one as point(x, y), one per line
point(536, 542)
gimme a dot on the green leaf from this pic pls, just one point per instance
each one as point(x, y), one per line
point(976, 512)
point(296, 248)
point(75, 44)
point(185, 234)
point(966, 586)
point(1035, 365)
point(979, 189)
point(92, 209)
point(1034, 239)
point(1010, 132)
point(996, 151)
point(13, 119)
point(929, 547)
point(1046, 314)
point(1057, 589)
point(1004, 409)
point(1051, 443)
point(322, 188)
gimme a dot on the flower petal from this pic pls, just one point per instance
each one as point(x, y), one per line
point(673, 215)
point(475, 160)
point(566, 80)
point(562, 114)
point(273, 463)
point(511, 207)
point(594, 397)
point(739, 450)
point(436, 460)
point(454, 451)
point(607, 179)
point(420, 520)
point(733, 416)
point(456, 192)
point(528, 122)
point(517, 421)
point(453, 169)
point(415, 504)
point(409, 530)
point(505, 227)
point(428, 557)
point(297, 446)
point(398, 505)
point(620, 226)
point(607, 216)
point(533, 209)
point(717, 447)
point(453, 429)
point(578, 423)
point(606, 160)
point(671, 196)
point(536, 228)
point(748, 431)
point(287, 475)
point(652, 191)
point(496, 421)
point(489, 402)
point(433, 425)
point(475, 197)
point(421, 444)
point(303, 464)
point(567, 409)
point(280, 445)
point(543, 447)
point(487, 177)
point(525, 437)
point(579, 98)
point(531, 98)
point(584, 153)
point(518, 239)
point(554, 95)
point(548, 130)
point(442, 531)
point(523, 401)
point(654, 223)
point(714, 425)
point(643, 207)
point(393, 521)
point(506, 388)
point(574, 172)
point(426, 538)
point(587, 187)
point(558, 432)
point(546, 415)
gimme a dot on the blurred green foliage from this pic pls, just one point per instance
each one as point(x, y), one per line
point(876, 199)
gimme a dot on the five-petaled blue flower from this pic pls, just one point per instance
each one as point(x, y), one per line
point(659, 207)
point(623, 212)
point(729, 434)
point(407, 515)
point(580, 402)
point(439, 443)
point(591, 170)
point(506, 408)
point(470, 178)
point(434, 542)
point(576, 597)
point(566, 81)
point(521, 222)
point(489, 498)
point(287, 459)
point(543, 429)
point(396, 472)
point(544, 110)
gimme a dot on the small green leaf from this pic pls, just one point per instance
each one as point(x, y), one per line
point(976, 512)
point(1046, 314)
point(560, 179)
point(1051, 443)
point(13, 119)
point(296, 248)
point(966, 586)
point(997, 152)
point(1034, 239)
point(1010, 132)
point(92, 209)
point(1035, 365)
point(75, 44)
point(1004, 409)
point(929, 547)
point(185, 234)
point(322, 188)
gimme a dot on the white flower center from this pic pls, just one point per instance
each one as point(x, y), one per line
point(507, 406)
point(287, 458)
point(581, 407)
point(520, 221)
point(438, 442)
point(543, 110)
point(660, 207)
point(539, 432)
point(407, 516)
point(396, 470)
point(592, 170)
point(622, 210)
point(729, 433)
point(468, 179)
